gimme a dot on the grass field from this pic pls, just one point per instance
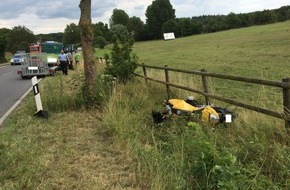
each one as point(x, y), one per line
point(259, 51)
point(117, 146)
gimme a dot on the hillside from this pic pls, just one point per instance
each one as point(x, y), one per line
point(258, 51)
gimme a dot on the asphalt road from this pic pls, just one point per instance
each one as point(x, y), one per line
point(12, 88)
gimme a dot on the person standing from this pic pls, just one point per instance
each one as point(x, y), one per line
point(63, 60)
point(70, 57)
point(77, 57)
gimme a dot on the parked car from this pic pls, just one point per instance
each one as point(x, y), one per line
point(17, 59)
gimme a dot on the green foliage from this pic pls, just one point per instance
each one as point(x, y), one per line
point(172, 26)
point(71, 34)
point(119, 16)
point(101, 29)
point(3, 43)
point(283, 13)
point(3, 39)
point(210, 167)
point(158, 13)
point(122, 62)
point(136, 26)
point(58, 37)
point(100, 42)
point(19, 38)
point(103, 88)
point(233, 20)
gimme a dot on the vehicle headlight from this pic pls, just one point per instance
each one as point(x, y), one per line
point(21, 60)
point(213, 118)
point(11, 60)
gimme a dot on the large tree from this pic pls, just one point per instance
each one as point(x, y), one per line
point(101, 29)
point(101, 35)
point(136, 26)
point(71, 34)
point(20, 38)
point(87, 37)
point(3, 43)
point(158, 13)
point(172, 26)
point(119, 16)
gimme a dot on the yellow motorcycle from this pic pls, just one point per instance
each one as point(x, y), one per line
point(208, 114)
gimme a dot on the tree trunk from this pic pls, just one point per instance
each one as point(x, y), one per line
point(87, 36)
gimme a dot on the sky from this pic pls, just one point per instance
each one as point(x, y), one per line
point(51, 16)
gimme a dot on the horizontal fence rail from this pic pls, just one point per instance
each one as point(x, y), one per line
point(284, 84)
point(228, 77)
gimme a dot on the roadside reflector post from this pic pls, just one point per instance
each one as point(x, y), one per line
point(40, 112)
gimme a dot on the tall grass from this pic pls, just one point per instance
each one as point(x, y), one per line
point(60, 94)
point(63, 93)
point(251, 153)
point(70, 150)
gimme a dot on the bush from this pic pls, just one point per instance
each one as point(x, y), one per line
point(100, 42)
point(121, 63)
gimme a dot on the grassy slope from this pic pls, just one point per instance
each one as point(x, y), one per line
point(120, 148)
point(259, 51)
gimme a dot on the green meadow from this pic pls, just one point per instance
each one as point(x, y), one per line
point(259, 51)
point(117, 145)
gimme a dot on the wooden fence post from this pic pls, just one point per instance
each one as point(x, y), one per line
point(286, 104)
point(167, 81)
point(205, 86)
point(145, 72)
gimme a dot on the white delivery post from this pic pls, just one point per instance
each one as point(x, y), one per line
point(40, 112)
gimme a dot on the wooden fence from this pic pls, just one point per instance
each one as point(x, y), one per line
point(284, 84)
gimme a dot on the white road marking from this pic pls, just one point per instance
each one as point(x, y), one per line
point(14, 106)
point(7, 73)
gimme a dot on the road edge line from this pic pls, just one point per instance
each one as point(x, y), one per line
point(4, 64)
point(2, 119)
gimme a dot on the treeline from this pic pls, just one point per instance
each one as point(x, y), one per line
point(157, 24)
point(206, 24)
point(159, 21)
point(214, 23)
point(160, 18)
